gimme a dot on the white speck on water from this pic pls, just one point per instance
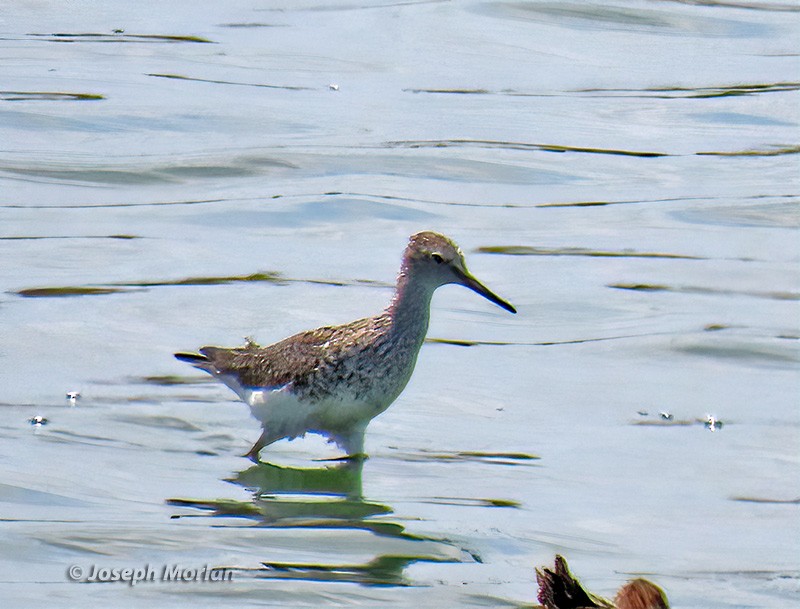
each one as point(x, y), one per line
point(712, 423)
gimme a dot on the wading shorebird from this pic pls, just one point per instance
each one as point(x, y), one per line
point(334, 380)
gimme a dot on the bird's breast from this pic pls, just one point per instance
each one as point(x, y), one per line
point(373, 374)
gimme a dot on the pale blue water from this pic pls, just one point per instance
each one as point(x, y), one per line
point(641, 154)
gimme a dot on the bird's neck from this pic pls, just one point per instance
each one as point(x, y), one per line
point(410, 307)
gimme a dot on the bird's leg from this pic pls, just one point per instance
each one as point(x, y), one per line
point(252, 454)
point(262, 441)
point(353, 444)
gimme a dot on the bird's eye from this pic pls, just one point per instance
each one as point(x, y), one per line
point(437, 258)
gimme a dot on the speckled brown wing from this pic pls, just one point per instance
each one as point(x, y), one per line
point(276, 365)
point(314, 362)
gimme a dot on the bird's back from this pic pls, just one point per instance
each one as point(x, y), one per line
point(355, 361)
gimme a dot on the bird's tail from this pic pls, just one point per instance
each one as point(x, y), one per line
point(206, 364)
point(195, 359)
point(198, 360)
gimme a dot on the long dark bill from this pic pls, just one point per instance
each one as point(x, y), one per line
point(468, 280)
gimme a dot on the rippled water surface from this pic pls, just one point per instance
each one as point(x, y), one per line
point(183, 173)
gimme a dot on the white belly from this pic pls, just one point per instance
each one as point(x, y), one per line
point(285, 415)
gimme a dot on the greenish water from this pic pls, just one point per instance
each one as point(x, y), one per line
point(625, 173)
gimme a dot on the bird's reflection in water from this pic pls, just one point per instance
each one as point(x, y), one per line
point(326, 498)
